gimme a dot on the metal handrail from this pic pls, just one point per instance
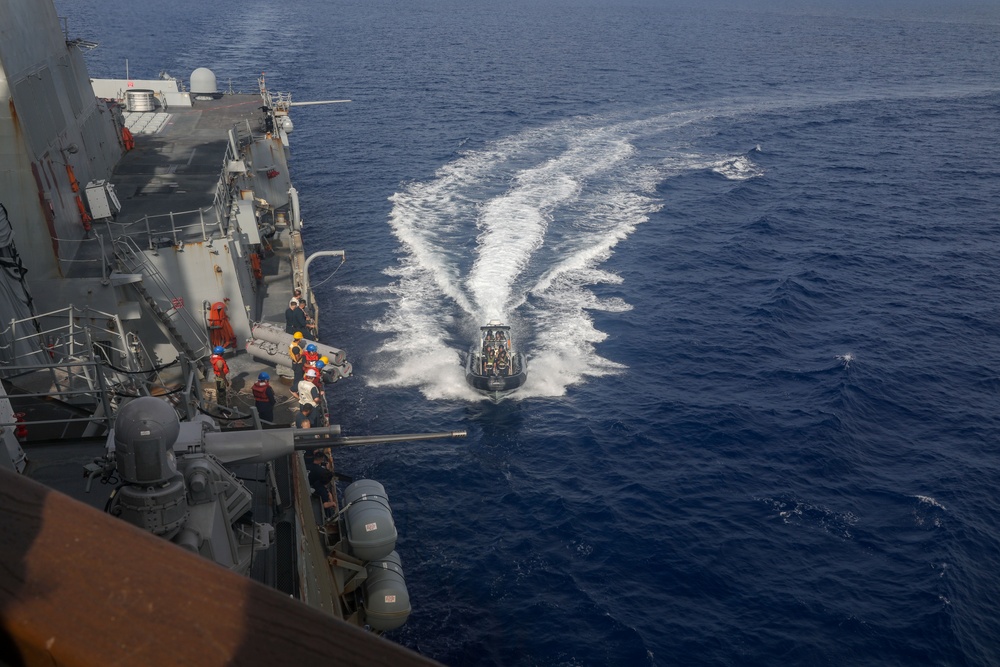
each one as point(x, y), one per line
point(102, 260)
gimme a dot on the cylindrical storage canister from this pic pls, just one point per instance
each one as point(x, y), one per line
point(371, 532)
point(139, 99)
point(387, 602)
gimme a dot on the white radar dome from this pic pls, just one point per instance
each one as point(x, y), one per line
point(203, 82)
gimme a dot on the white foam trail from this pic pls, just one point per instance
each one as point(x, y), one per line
point(520, 232)
point(927, 500)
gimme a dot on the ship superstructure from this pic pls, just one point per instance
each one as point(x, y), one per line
point(145, 223)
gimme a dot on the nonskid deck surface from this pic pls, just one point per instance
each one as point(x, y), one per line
point(176, 165)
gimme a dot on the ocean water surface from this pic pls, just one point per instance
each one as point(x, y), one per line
point(750, 251)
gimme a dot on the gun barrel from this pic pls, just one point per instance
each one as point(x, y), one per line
point(259, 446)
point(303, 441)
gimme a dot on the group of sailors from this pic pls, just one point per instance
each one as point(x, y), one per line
point(307, 389)
point(299, 317)
point(307, 382)
point(496, 353)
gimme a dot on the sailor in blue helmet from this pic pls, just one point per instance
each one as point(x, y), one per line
point(263, 397)
point(312, 353)
point(221, 370)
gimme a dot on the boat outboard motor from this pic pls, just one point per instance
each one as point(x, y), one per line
point(154, 496)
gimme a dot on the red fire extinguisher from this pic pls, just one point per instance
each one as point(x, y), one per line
point(20, 428)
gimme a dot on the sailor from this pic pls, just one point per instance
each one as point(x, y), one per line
point(295, 319)
point(306, 310)
point(303, 418)
point(221, 370)
point(320, 478)
point(309, 358)
point(319, 366)
point(296, 353)
point(312, 353)
point(503, 339)
point(307, 392)
point(263, 397)
point(491, 358)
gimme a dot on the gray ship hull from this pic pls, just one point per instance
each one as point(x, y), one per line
point(146, 224)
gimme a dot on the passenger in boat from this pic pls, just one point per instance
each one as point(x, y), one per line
point(491, 359)
point(502, 339)
point(503, 363)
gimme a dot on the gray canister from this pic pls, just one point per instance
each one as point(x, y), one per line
point(371, 532)
point(387, 602)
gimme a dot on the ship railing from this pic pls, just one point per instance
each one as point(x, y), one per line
point(68, 332)
point(172, 227)
point(78, 361)
point(227, 186)
point(63, 361)
point(192, 339)
point(81, 257)
point(281, 102)
point(243, 135)
point(175, 227)
point(276, 101)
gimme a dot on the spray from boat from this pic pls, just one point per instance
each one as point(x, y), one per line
point(520, 231)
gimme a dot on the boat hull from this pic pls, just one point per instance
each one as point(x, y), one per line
point(493, 385)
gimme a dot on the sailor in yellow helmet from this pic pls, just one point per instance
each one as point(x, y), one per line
point(295, 352)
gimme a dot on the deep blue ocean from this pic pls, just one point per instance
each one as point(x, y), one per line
point(750, 249)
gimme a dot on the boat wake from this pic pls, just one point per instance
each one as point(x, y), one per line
point(520, 231)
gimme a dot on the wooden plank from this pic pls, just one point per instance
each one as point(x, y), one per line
point(81, 588)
